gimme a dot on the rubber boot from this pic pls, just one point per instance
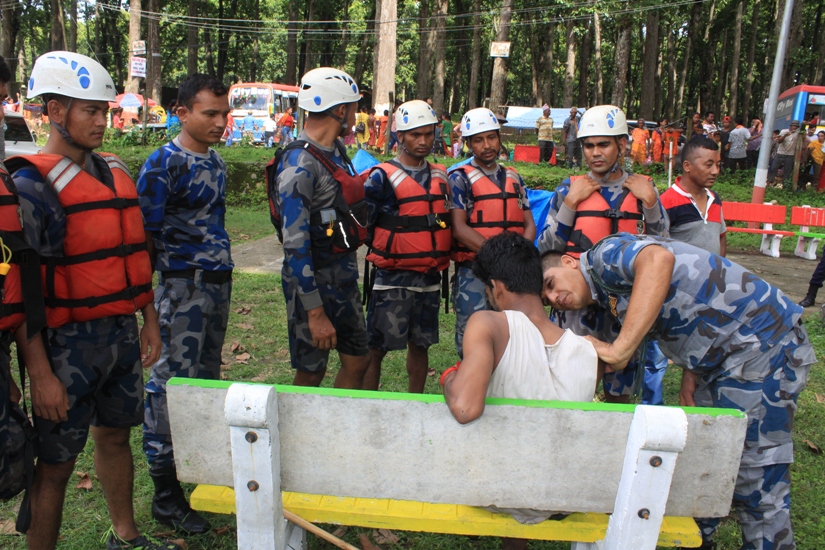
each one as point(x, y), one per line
point(810, 297)
point(169, 505)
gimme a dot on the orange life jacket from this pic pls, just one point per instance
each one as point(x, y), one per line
point(418, 238)
point(595, 220)
point(494, 210)
point(17, 257)
point(105, 269)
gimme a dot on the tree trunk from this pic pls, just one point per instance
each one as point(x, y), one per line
point(361, 58)
point(657, 96)
point(58, 34)
point(384, 57)
point(72, 40)
point(454, 105)
point(154, 84)
point(622, 60)
point(114, 40)
point(549, 83)
point(21, 62)
point(253, 65)
point(292, 44)
point(794, 42)
point(737, 51)
point(817, 76)
point(98, 24)
point(425, 49)
point(10, 27)
point(344, 36)
point(722, 74)
point(498, 84)
point(749, 63)
point(584, 69)
point(308, 40)
point(440, 52)
point(707, 70)
point(535, 65)
point(192, 40)
point(210, 58)
point(598, 89)
point(693, 32)
point(570, 66)
point(134, 35)
point(647, 101)
point(671, 74)
point(472, 90)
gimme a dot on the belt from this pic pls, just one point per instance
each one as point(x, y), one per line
point(211, 277)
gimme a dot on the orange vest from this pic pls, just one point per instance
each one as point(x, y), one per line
point(418, 238)
point(12, 313)
point(595, 220)
point(494, 210)
point(105, 269)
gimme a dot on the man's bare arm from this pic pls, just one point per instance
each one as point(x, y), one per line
point(463, 233)
point(466, 389)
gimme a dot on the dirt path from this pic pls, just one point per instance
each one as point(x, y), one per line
point(790, 273)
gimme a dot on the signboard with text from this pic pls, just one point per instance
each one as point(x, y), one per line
point(139, 47)
point(499, 49)
point(137, 67)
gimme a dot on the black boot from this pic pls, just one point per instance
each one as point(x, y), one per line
point(169, 505)
point(810, 297)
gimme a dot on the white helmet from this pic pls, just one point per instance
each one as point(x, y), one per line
point(603, 120)
point(324, 88)
point(414, 114)
point(70, 75)
point(478, 120)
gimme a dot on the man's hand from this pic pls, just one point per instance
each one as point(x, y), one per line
point(642, 189)
point(150, 343)
point(580, 189)
point(14, 392)
point(614, 359)
point(688, 389)
point(323, 333)
point(49, 398)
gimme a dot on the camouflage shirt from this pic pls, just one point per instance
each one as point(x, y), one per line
point(461, 198)
point(183, 200)
point(305, 187)
point(716, 313)
point(561, 219)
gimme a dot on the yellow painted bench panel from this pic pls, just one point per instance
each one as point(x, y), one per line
point(441, 518)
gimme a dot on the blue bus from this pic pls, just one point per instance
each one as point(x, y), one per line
point(801, 103)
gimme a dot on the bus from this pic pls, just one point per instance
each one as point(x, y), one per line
point(261, 100)
point(800, 103)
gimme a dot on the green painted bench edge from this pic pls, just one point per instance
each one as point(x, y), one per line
point(435, 398)
point(812, 235)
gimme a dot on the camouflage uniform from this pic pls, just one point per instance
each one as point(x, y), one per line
point(403, 305)
point(555, 236)
point(469, 294)
point(305, 187)
point(97, 361)
point(745, 341)
point(182, 197)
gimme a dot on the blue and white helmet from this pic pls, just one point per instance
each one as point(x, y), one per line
point(414, 114)
point(478, 120)
point(324, 88)
point(71, 75)
point(603, 120)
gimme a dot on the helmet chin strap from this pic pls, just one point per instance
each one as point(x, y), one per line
point(342, 121)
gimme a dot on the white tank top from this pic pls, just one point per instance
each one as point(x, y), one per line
point(531, 369)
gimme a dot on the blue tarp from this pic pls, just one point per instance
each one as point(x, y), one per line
point(363, 161)
point(524, 118)
point(457, 164)
point(539, 206)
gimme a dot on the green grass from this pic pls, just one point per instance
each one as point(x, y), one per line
point(244, 223)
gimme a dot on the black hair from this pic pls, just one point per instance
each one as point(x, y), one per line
point(740, 120)
point(551, 258)
point(192, 85)
point(5, 71)
point(709, 113)
point(372, 111)
point(446, 115)
point(511, 259)
point(689, 150)
point(386, 112)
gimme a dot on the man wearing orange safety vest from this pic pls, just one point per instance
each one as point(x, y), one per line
point(80, 212)
point(409, 219)
point(486, 199)
point(586, 209)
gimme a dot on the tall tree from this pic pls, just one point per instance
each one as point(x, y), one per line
point(549, 83)
point(650, 62)
point(584, 68)
point(670, 100)
point(692, 34)
point(498, 84)
point(192, 40)
point(794, 43)
point(385, 55)
point(440, 52)
point(72, 40)
point(154, 83)
point(622, 60)
point(535, 63)
point(10, 14)
point(58, 34)
point(570, 66)
point(746, 110)
point(472, 91)
point(292, 44)
point(344, 36)
point(598, 81)
point(253, 65)
point(425, 50)
point(366, 41)
point(134, 35)
point(737, 52)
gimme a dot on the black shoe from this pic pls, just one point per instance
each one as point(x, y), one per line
point(810, 297)
point(141, 542)
point(169, 505)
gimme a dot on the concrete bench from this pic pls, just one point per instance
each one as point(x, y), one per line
point(400, 461)
point(807, 241)
point(765, 214)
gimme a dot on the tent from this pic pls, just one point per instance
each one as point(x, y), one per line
point(539, 207)
point(524, 118)
point(363, 161)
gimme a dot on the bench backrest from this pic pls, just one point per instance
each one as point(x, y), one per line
point(808, 216)
point(749, 212)
point(519, 454)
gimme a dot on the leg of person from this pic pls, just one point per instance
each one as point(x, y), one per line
point(309, 362)
point(514, 544)
point(423, 334)
point(655, 370)
point(47, 495)
point(577, 153)
point(815, 283)
point(372, 378)
point(342, 302)
point(387, 329)
point(787, 171)
point(469, 296)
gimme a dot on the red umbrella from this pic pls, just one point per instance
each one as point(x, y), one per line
point(129, 100)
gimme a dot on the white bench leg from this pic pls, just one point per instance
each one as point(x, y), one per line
point(296, 537)
point(657, 436)
point(806, 247)
point(252, 414)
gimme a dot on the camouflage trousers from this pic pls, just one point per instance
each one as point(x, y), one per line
point(469, 296)
point(399, 316)
point(766, 388)
point(193, 316)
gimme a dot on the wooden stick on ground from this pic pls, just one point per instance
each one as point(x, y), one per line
point(315, 530)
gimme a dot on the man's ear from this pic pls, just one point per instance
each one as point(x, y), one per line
point(569, 261)
point(56, 111)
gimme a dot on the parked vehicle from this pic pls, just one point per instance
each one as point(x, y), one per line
point(19, 138)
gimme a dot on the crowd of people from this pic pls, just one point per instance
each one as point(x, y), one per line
point(633, 279)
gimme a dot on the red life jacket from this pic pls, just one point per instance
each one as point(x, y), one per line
point(418, 238)
point(105, 269)
point(595, 220)
point(494, 210)
point(347, 224)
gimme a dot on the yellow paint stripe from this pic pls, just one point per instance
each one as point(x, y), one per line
point(441, 518)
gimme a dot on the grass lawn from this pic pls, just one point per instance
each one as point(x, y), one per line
point(256, 349)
